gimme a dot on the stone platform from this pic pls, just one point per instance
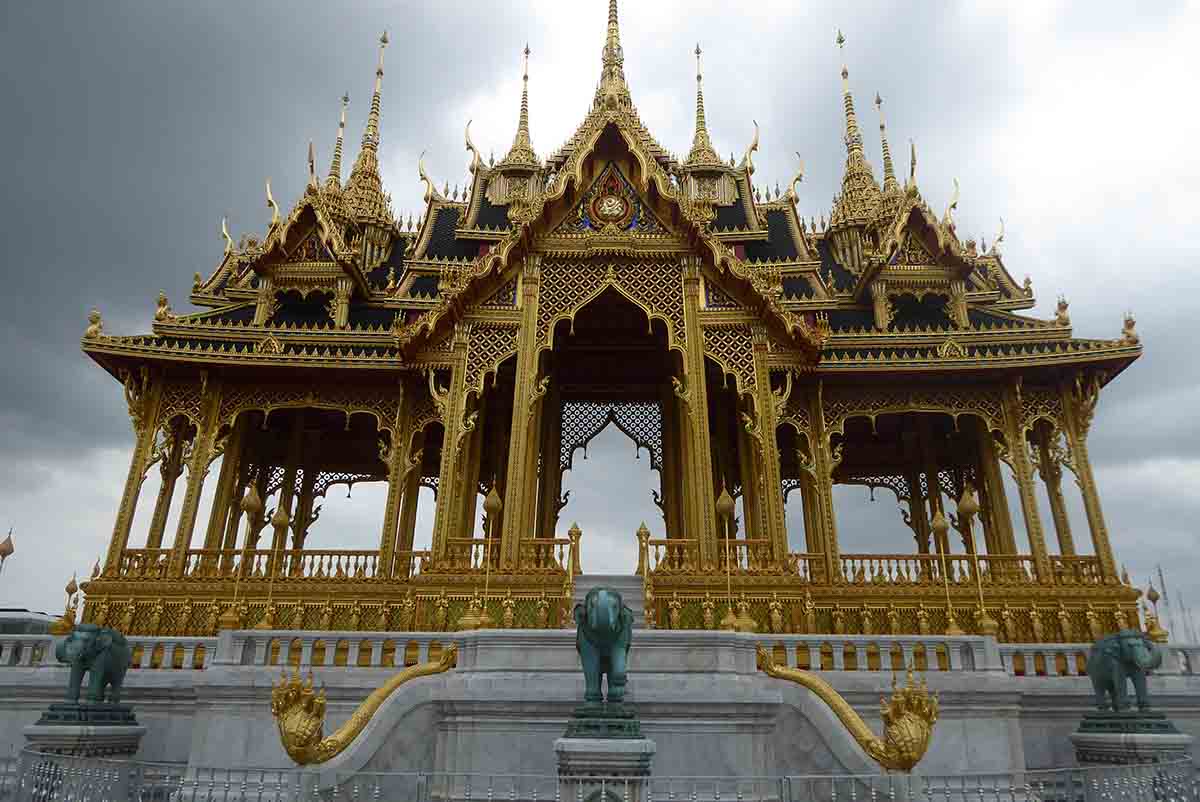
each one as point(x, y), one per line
point(86, 730)
point(1108, 738)
point(699, 696)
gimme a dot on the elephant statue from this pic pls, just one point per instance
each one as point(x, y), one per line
point(1112, 660)
point(603, 631)
point(101, 653)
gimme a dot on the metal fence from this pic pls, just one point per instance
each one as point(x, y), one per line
point(35, 777)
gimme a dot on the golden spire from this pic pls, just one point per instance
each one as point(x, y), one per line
point(334, 181)
point(890, 184)
point(613, 89)
point(371, 134)
point(521, 153)
point(854, 144)
point(364, 190)
point(702, 152)
point(860, 192)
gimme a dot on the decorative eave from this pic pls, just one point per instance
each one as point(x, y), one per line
point(953, 356)
point(345, 260)
point(501, 259)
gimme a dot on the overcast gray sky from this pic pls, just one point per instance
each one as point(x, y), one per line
point(133, 127)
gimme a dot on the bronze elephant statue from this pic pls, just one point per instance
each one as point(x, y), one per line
point(603, 632)
point(101, 653)
point(1117, 659)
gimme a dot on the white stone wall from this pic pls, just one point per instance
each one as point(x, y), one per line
point(699, 695)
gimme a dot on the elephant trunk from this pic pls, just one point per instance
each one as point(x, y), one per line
point(1148, 658)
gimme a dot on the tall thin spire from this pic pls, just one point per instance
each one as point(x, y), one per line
point(371, 133)
point(860, 192)
point(364, 190)
point(521, 153)
point(890, 184)
point(334, 181)
point(613, 90)
point(854, 143)
point(702, 150)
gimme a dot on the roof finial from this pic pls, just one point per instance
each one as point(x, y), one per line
point(912, 165)
point(612, 78)
point(225, 235)
point(702, 150)
point(476, 159)
point(890, 184)
point(371, 133)
point(334, 181)
point(364, 191)
point(854, 145)
point(521, 153)
point(312, 165)
point(272, 205)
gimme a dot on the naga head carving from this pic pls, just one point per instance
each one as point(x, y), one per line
point(300, 713)
point(908, 720)
point(299, 710)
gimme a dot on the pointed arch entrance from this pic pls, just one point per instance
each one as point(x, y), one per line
point(612, 368)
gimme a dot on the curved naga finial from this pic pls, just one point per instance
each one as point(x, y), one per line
point(748, 159)
point(948, 218)
point(431, 192)
point(999, 239)
point(908, 718)
point(272, 204)
point(300, 711)
point(476, 159)
point(225, 234)
point(792, 195)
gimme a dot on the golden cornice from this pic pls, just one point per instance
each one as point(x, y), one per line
point(1074, 353)
point(227, 353)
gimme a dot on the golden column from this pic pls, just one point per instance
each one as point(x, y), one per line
point(452, 405)
point(1023, 469)
point(1079, 401)
point(395, 457)
point(169, 470)
point(551, 479)
point(698, 479)
point(203, 452)
point(142, 395)
point(824, 461)
point(231, 468)
point(994, 493)
point(1050, 467)
point(521, 480)
point(769, 406)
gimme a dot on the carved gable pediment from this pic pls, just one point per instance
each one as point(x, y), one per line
point(610, 206)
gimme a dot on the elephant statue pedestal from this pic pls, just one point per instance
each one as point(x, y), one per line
point(100, 726)
point(1105, 738)
point(603, 747)
point(1123, 730)
point(100, 729)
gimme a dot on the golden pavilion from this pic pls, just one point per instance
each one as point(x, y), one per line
point(756, 355)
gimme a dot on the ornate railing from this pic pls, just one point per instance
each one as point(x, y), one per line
point(1076, 571)
point(40, 776)
point(550, 554)
point(144, 563)
point(673, 555)
point(926, 569)
point(469, 554)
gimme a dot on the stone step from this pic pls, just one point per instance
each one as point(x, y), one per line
point(631, 587)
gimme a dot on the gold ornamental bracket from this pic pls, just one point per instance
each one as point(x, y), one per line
point(299, 711)
point(908, 718)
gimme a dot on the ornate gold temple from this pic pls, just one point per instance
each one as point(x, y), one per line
point(755, 355)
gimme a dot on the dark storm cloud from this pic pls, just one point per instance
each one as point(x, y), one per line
point(132, 128)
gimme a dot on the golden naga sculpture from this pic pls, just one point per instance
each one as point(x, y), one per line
point(300, 711)
point(908, 718)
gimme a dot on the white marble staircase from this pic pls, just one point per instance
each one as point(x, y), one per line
point(631, 588)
